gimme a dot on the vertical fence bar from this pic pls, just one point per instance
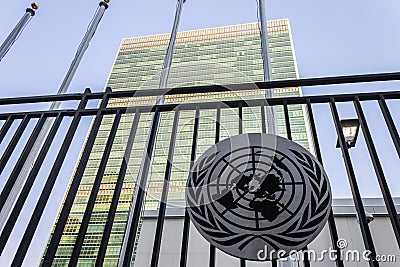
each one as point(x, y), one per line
point(263, 123)
point(63, 216)
point(6, 126)
point(390, 123)
point(314, 136)
point(13, 185)
point(387, 196)
point(164, 195)
point(274, 262)
point(306, 260)
point(138, 198)
point(212, 256)
point(185, 240)
point(217, 136)
point(287, 120)
point(44, 196)
point(20, 162)
point(95, 190)
point(9, 226)
point(117, 191)
point(186, 223)
point(365, 231)
point(331, 220)
point(218, 124)
point(240, 118)
point(242, 261)
point(13, 143)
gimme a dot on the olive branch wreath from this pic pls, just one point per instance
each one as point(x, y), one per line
point(316, 211)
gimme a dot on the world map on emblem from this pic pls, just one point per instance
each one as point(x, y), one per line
point(258, 192)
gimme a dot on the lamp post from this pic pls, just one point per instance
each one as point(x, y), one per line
point(271, 110)
point(127, 249)
point(16, 32)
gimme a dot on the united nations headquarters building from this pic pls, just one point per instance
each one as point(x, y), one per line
point(203, 151)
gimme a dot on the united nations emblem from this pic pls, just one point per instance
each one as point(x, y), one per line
point(254, 192)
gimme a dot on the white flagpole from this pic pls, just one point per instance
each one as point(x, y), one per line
point(83, 47)
point(16, 32)
point(271, 110)
point(132, 224)
point(20, 181)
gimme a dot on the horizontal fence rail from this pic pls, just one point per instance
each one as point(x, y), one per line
point(365, 78)
point(15, 129)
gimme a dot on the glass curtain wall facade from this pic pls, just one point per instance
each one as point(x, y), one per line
point(223, 55)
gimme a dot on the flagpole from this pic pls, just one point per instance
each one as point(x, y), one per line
point(16, 32)
point(103, 5)
point(23, 174)
point(271, 110)
point(127, 249)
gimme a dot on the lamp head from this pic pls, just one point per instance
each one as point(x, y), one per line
point(350, 130)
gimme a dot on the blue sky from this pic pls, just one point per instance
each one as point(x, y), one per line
point(330, 38)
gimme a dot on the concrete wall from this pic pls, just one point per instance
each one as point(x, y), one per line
point(198, 254)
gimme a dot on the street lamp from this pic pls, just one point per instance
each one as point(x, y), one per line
point(350, 130)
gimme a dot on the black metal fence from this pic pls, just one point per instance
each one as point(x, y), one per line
point(21, 119)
